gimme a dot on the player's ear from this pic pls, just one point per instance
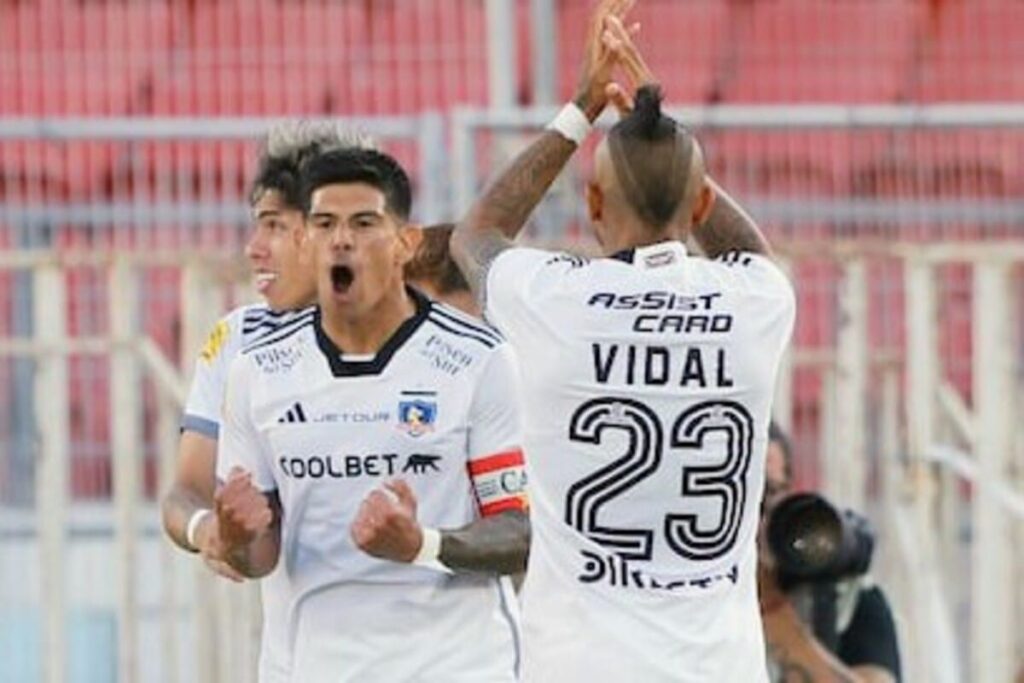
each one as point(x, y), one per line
point(409, 237)
point(702, 207)
point(595, 201)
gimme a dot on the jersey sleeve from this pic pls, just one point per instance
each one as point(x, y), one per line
point(759, 280)
point(206, 394)
point(870, 639)
point(753, 274)
point(515, 279)
point(240, 443)
point(496, 462)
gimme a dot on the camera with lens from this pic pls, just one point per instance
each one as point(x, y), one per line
point(815, 542)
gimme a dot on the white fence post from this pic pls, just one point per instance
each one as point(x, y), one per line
point(544, 51)
point(167, 451)
point(51, 490)
point(126, 443)
point(433, 204)
point(889, 441)
point(851, 385)
point(922, 356)
point(992, 622)
point(501, 53)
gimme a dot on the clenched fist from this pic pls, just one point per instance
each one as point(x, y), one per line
point(210, 548)
point(385, 525)
point(243, 513)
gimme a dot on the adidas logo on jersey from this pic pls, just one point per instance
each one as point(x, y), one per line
point(294, 414)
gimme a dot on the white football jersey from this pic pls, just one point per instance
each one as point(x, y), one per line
point(324, 429)
point(239, 328)
point(232, 333)
point(647, 383)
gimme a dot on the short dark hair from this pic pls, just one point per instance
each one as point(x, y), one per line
point(433, 261)
point(288, 146)
point(369, 166)
point(281, 176)
point(653, 156)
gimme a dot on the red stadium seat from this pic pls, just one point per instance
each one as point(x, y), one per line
point(799, 51)
point(317, 58)
point(682, 41)
point(105, 58)
point(973, 52)
point(21, 27)
point(268, 57)
point(80, 59)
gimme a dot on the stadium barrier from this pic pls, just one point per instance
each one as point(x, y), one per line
point(900, 226)
point(174, 621)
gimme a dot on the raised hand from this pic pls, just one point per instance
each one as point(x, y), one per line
point(620, 41)
point(600, 57)
point(385, 525)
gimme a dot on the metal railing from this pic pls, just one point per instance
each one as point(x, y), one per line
point(872, 389)
point(882, 414)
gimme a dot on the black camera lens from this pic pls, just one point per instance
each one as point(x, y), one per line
point(813, 541)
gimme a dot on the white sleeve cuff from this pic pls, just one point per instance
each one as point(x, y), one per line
point(430, 552)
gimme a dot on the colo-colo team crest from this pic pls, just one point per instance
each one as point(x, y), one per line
point(417, 416)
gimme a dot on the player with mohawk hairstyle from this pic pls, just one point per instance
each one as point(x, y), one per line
point(647, 394)
point(277, 254)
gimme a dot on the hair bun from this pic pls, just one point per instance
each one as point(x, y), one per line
point(647, 109)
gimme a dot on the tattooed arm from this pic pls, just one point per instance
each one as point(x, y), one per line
point(729, 228)
point(500, 213)
point(386, 527)
point(500, 543)
point(498, 216)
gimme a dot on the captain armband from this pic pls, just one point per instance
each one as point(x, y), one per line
point(499, 482)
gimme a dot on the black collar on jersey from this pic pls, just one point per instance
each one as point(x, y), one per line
point(343, 368)
point(626, 255)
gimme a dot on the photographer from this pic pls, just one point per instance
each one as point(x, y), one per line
point(821, 622)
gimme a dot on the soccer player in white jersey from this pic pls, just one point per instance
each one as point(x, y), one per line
point(374, 451)
point(647, 381)
point(284, 277)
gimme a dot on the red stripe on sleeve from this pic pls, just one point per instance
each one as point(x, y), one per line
point(498, 461)
point(517, 503)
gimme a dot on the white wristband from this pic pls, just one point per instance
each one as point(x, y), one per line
point(430, 551)
point(572, 124)
point(193, 525)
